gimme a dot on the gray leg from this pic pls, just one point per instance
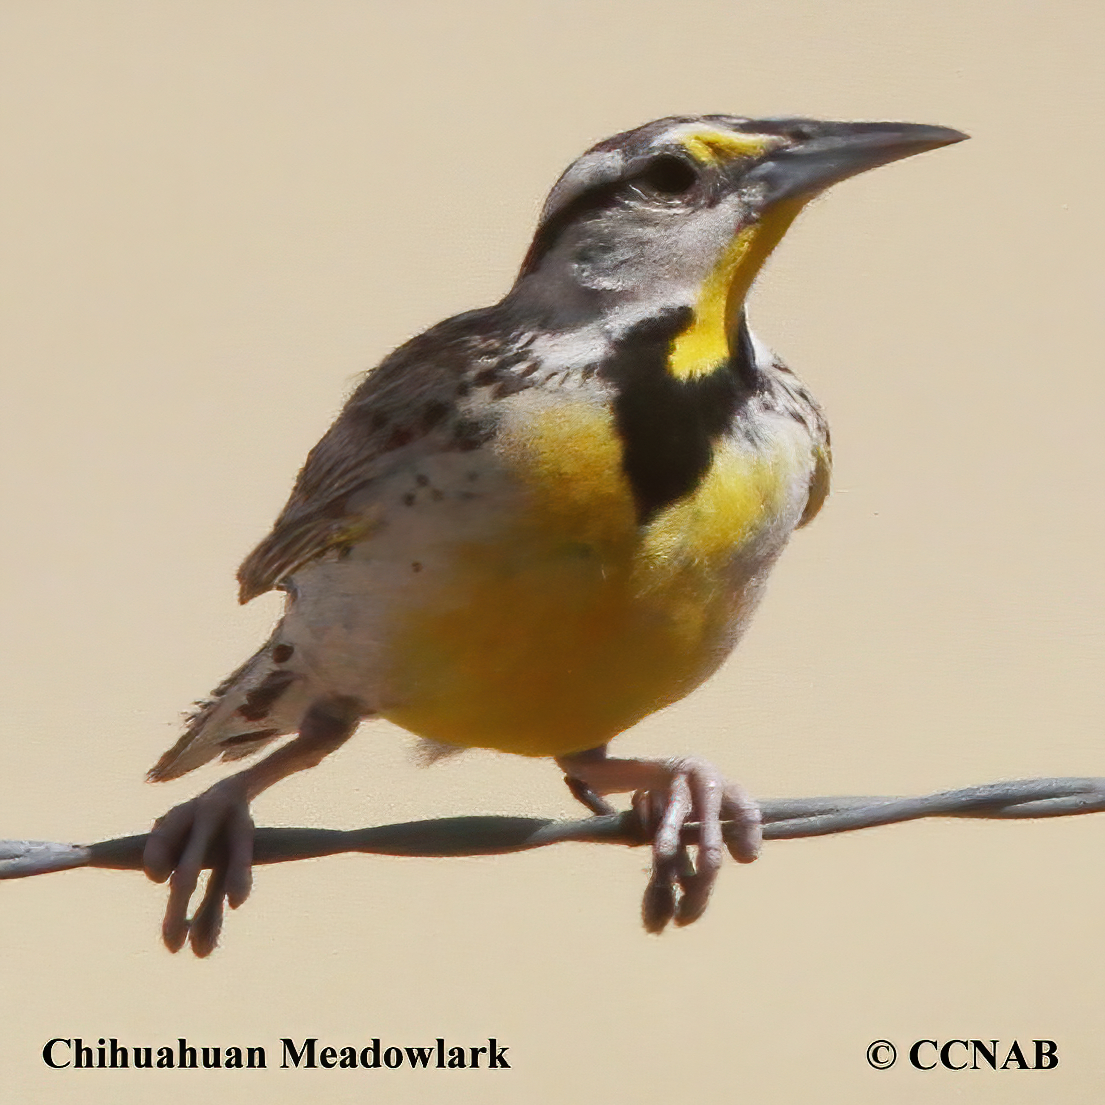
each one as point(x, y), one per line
point(215, 829)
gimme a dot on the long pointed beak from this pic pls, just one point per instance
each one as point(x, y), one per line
point(832, 152)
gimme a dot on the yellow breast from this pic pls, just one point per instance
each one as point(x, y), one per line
point(569, 622)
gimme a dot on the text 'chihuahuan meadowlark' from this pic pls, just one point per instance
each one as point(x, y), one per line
point(536, 523)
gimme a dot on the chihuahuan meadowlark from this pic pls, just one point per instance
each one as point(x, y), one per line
point(535, 524)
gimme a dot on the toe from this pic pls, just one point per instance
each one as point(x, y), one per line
point(239, 868)
point(595, 802)
point(174, 925)
point(658, 905)
point(204, 929)
point(706, 796)
point(166, 841)
point(667, 843)
point(669, 858)
point(185, 877)
point(744, 833)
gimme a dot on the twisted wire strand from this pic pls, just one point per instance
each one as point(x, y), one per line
point(784, 819)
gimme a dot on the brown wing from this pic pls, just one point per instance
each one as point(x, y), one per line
point(819, 482)
point(794, 398)
point(316, 517)
point(417, 393)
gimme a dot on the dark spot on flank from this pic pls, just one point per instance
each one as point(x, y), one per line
point(433, 413)
point(468, 495)
point(473, 476)
point(486, 376)
point(262, 698)
point(436, 495)
point(282, 653)
point(508, 386)
point(416, 566)
point(421, 480)
point(248, 738)
point(463, 388)
point(408, 499)
point(399, 437)
point(468, 434)
point(378, 420)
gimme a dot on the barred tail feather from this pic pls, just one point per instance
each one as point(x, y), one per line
point(259, 702)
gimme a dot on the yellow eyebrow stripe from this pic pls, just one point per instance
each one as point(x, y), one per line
point(713, 147)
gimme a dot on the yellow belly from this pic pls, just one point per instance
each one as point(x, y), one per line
point(571, 622)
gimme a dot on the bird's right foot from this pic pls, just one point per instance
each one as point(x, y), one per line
point(669, 795)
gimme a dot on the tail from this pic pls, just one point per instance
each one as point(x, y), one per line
point(264, 699)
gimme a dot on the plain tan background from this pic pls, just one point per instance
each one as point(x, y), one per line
point(215, 214)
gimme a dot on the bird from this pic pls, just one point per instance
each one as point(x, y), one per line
point(536, 523)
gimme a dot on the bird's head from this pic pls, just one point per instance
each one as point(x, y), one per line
point(683, 212)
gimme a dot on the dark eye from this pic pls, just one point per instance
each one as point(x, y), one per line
point(668, 176)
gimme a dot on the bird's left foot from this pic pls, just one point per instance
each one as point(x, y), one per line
point(216, 830)
point(670, 796)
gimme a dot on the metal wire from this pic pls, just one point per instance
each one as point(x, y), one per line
point(784, 819)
